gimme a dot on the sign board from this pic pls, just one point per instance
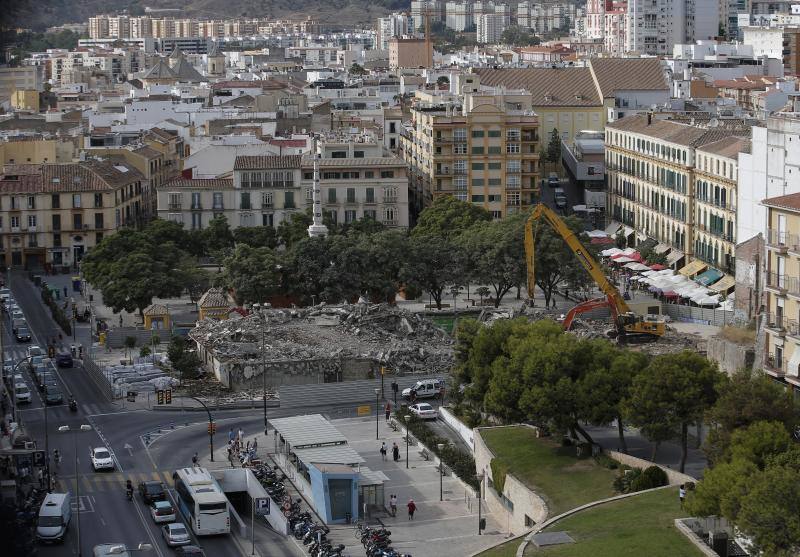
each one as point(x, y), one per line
point(39, 458)
point(262, 506)
point(364, 410)
point(132, 396)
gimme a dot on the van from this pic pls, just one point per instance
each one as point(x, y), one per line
point(22, 393)
point(54, 517)
point(560, 198)
point(426, 388)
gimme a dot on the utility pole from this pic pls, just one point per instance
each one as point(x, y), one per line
point(264, 369)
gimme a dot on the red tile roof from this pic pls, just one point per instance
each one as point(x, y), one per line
point(791, 202)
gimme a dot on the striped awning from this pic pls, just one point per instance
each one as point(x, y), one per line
point(693, 268)
point(724, 284)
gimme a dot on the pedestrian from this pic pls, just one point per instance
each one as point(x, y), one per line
point(388, 410)
point(230, 455)
point(393, 504)
point(682, 493)
point(40, 476)
point(231, 436)
point(411, 508)
point(247, 447)
point(241, 436)
point(65, 292)
point(194, 459)
point(255, 444)
point(395, 452)
point(383, 450)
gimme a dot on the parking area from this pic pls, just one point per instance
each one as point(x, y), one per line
point(444, 528)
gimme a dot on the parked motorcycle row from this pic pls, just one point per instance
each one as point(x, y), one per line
point(376, 542)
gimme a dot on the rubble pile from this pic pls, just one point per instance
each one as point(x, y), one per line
point(206, 387)
point(399, 339)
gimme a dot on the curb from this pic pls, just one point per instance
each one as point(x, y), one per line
point(234, 406)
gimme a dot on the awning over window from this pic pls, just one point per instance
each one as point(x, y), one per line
point(693, 268)
point(724, 284)
point(712, 275)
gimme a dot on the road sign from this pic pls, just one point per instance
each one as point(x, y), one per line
point(132, 396)
point(364, 410)
point(168, 396)
point(160, 396)
point(38, 458)
point(262, 506)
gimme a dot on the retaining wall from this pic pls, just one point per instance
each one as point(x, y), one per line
point(466, 433)
point(674, 477)
point(730, 356)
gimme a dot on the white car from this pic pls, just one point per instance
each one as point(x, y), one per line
point(34, 350)
point(426, 388)
point(175, 534)
point(162, 511)
point(101, 459)
point(424, 411)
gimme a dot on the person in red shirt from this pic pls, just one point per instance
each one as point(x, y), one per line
point(411, 508)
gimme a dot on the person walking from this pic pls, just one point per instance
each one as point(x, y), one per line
point(411, 508)
point(194, 459)
point(231, 436)
point(40, 476)
point(682, 493)
point(383, 451)
point(388, 410)
point(255, 444)
point(241, 436)
point(395, 452)
point(393, 504)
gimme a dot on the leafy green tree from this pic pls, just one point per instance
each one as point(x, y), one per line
point(442, 80)
point(554, 147)
point(389, 254)
point(554, 262)
point(183, 360)
point(494, 254)
point(162, 232)
point(253, 274)
point(673, 392)
point(652, 257)
point(433, 264)
point(357, 69)
point(309, 264)
point(448, 217)
point(197, 280)
point(218, 238)
point(294, 230)
point(747, 398)
point(256, 236)
point(483, 292)
point(518, 36)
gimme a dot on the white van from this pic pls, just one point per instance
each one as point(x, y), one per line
point(22, 393)
point(427, 388)
point(54, 517)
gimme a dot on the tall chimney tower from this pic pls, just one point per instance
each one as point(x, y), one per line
point(317, 228)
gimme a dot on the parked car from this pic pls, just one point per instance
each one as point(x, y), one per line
point(22, 335)
point(427, 388)
point(190, 551)
point(64, 359)
point(553, 180)
point(53, 395)
point(162, 511)
point(101, 459)
point(5, 294)
point(152, 491)
point(22, 393)
point(424, 411)
point(8, 367)
point(175, 534)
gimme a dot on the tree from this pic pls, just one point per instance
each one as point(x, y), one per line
point(197, 280)
point(554, 261)
point(747, 398)
point(252, 273)
point(295, 229)
point(442, 80)
point(554, 147)
point(357, 69)
point(256, 236)
point(308, 263)
point(673, 392)
point(130, 344)
point(518, 36)
point(494, 253)
point(448, 217)
point(652, 257)
point(217, 237)
point(184, 361)
point(483, 292)
point(433, 264)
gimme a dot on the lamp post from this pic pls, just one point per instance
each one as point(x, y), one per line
point(75, 430)
point(480, 496)
point(260, 310)
point(407, 418)
point(211, 427)
point(441, 472)
point(377, 412)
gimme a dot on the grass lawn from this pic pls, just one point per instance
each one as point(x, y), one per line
point(508, 549)
point(549, 469)
point(639, 525)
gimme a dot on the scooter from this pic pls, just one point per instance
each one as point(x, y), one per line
point(73, 405)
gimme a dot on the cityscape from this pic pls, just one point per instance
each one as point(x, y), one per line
point(400, 278)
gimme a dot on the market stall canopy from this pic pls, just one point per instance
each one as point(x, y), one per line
point(674, 256)
point(693, 268)
point(712, 275)
point(613, 228)
point(724, 284)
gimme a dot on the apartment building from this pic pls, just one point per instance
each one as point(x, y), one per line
point(490, 27)
point(482, 148)
point(782, 290)
point(52, 214)
point(20, 78)
point(410, 53)
point(652, 178)
point(393, 25)
point(459, 16)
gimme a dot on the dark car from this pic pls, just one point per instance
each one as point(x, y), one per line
point(152, 491)
point(50, 382)
point(53, 395)
point(22, 335)
point(190, 550)
point(64, 360)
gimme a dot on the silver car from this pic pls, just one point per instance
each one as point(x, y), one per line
point(176, 534)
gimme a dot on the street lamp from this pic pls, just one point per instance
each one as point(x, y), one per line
point(441, 472)
point(480, 496)
point(67, 429)
point(211, 427)
point(377, 412)
point(407, 418)
point(121, 549)
point(259, 309)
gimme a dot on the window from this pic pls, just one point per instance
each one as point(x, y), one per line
point(513, 135)
point(76, 200)
point(245, 179)
point(496, 198)
point(339, 155)
point(387, 173)
point(32, 221)
point(494, 133)
point(460, 134)
point(497, 214)
point(14, 203)
point(477, 166)
point(217, 197)
point(513, 182)
point(266, 199)
point(514, 166)
point(460, 149)
point(477, 150)
point(358, 154)
point(309, 194)
point(31, 202)
point(512, 148)
point(477, 133)
point(245, 200)
point(267, 219)
point(14, 222)
point(98, 221)
point(460, 167)
point(349, 216)
point(56, 201)
point(351, 195)
point(98, 200)
point(308, 175)
point(513, 197)
point(369, 174)
point(77, 222)
point(370, 214)
point(477, 182)
point(495, 150)
point(477, 198)
point(256, 180)
point(495, 166)
point(288, 200)
point(197, 221)
point(370, 194)
point(331, 195)
point(56, 240)
point(56, 222)
point(495, 181)
point(389, 195)
point(389, 215)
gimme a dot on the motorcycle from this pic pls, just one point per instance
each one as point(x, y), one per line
point(73, 405)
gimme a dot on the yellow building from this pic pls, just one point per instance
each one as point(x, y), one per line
point(214, 304)
point(25, 99)
point(482, 148)
point(38, 151)
point(410, 53)
point(782, 289)
point(156, 316)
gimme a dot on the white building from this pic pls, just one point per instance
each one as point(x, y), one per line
point(458, 16)
point(656, 26)
point(765, 41)
point(394, 25)
point(490, 28)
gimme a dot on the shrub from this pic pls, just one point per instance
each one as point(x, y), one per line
point(499, 471)
point(626, 477)
point(606, 461)
point(651, 477)
point(58, 314)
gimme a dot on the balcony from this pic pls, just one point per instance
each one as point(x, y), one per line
point(781, 241)
point(174, 206)
point(289, 205)
point(197, 206)
point(775, 366)
point(444, 171)
point(218, 207)
point(390, 223)
point(782, 284)
point(777, 324)
point(370, 201)
point(390, 199)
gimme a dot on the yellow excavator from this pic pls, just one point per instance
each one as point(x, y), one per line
point(627, 325)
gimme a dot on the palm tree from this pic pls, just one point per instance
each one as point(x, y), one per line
point(483, 292)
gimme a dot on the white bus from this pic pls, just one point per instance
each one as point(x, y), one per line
point(202, 501)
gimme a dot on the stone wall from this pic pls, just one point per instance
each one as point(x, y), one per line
point(730, 356)
point(466, 433)
point(517, 503)
point(674, 477)
point(240, 375)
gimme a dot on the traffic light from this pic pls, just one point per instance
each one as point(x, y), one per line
point(212, 428)
point(160, 396)
point(168, 396)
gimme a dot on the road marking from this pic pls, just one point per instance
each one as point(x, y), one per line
point(149, 456)
point(147, 528)
point(128, 448)
point(116, 413)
